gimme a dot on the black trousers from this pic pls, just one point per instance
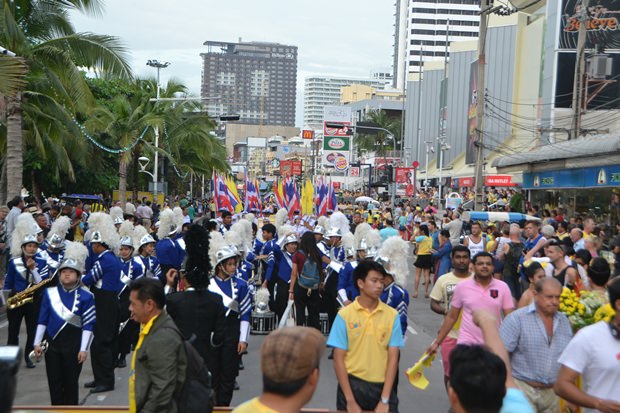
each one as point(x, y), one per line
point(280, 294)
point(62, 367)
point(129, 334)
point(104, 348)
point(224, 362)
point(30, 314)
point(367, 395)
point(312, 302)
point(329, 299)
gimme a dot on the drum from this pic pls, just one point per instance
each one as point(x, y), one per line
point(263, 323)
point(324, 321)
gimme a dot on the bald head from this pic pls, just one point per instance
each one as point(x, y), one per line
point(575, 234)
point(547, 283)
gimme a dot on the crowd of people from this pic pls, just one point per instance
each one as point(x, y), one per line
point(143, 282)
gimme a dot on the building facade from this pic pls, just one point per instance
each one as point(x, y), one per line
point(255, 80)
point(324, 91)
point(431, 25)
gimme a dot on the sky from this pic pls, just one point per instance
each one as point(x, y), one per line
point(335, 37)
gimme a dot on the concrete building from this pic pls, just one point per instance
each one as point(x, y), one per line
point(252, 79)
point(324, 91)
point(240, 132)
point(422, 28)
point(355, 93)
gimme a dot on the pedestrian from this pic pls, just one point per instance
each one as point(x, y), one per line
point(566, 274)
point(480, 292)
point(442, 254)
point(66, 321)
point(441, 299)
point(290, 359)
point(159, 361)
point(306, 277)
point(535, 336)
point(454, 226)
point(367, 337)
point(476, 241)
point(513, 256)
point(593, 355)
point(534, 272)
point(423, 262)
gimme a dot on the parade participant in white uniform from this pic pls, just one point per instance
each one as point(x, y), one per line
point(66, 321)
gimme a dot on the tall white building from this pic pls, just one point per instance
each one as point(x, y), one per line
point(324, 91)
point(429, 24)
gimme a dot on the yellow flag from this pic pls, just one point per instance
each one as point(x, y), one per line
point(307, 198)
point(233, 190)
point(415, 373)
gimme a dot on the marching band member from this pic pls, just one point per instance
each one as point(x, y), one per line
point(103, 280)
point(55, 242)
point(146, 248)
point(66, 320)
point(266, 259)
point(236, 300)
point(24, 270)
point(131, 269)
point(168, 250)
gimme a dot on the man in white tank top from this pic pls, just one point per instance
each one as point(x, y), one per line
point(475, 242)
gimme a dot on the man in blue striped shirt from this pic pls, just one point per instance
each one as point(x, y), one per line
point(535, 336)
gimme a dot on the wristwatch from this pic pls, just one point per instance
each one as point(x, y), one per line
point(385, 400)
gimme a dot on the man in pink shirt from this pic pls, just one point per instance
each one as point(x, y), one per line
point(482, 292)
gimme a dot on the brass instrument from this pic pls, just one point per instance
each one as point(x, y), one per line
point(26, 296)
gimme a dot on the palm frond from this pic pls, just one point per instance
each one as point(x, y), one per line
point(12, 75)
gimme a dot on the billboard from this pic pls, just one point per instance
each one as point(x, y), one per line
point(336, 140)
point(290, 167)
point(470, 148)
point(602, 24)
point(405, 181)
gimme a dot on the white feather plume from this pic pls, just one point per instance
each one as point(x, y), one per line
point(179, 218)
point(166, 222)
point(285, 230)
point(323, 221)
point(115, 212)
point(216, 242)
point(348, 241)
point(60, 227)
point(126, 229)
point(250, 217)
point(397, 252)
point(233, 238)
point(78, 252)
point(373, 238)
point(280, 219)
point(244, 228)
point(340, 221)
point(138, 232)
point(102, 222)
point(25, 225)
point(360, 232)
point(262, 295)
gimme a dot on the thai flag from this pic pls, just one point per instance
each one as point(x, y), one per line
point(252, 200)
point(291, 196)
point(323, 200)
point(220, 194)
point(332, 199)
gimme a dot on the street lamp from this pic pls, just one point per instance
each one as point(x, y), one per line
point(158, 65)
point(143, 161)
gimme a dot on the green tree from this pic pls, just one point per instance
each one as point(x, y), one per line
point(379, 141)
point(40, 32)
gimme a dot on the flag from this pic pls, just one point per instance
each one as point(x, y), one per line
point(307, 198)
point(332, 201)
point(321, 197)
point(220, 194)
point(415, 373)
point(252, 199)
point(278, 193)
point(291, 196)
point(235, 200)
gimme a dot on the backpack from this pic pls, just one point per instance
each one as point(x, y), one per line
point(197, 395)
point(310, 275)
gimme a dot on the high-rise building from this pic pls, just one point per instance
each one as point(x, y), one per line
point(324, 91)
point(254, 80)
point(422, 28)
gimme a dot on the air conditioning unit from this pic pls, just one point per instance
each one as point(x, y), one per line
point(599, 66)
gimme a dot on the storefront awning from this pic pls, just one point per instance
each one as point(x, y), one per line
point(588, 146)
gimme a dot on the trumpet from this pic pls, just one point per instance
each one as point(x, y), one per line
point(26, 296)
point(33, 356)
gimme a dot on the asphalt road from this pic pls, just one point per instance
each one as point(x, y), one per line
point(32, 383)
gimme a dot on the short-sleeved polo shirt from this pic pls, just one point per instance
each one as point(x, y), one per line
point(470, 296)
point(366, 336)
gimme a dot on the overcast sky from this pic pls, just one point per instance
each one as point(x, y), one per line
point(334, 37)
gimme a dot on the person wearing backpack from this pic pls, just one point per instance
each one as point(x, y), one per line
point(306, 277)
point(513, 255)
point(159, 362)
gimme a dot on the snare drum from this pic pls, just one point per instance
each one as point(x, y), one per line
point(263, 323)
point(324, 321)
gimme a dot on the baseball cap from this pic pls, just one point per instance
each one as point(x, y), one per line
point(291, 353)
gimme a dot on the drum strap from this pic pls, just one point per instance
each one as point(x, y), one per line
point(63, 312)
point(229, 302)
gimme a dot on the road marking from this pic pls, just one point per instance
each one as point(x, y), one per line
point(4, 324)
point(412, 331)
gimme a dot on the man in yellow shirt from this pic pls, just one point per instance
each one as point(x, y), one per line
point(366, 337)
point(290, 359)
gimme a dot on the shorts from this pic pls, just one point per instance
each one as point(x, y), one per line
point(498, 266)
point(424, 261)
point(447, 346)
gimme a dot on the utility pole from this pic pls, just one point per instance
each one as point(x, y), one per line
point(580, 65)
point(484, 16)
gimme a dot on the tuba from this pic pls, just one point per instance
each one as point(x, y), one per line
point(26, 296)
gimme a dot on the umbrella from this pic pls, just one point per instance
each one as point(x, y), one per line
point(366, 199)
point(497, 216)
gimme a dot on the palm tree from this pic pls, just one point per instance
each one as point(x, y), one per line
point(379, 141)
point(12, 74)
point(40, 32)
